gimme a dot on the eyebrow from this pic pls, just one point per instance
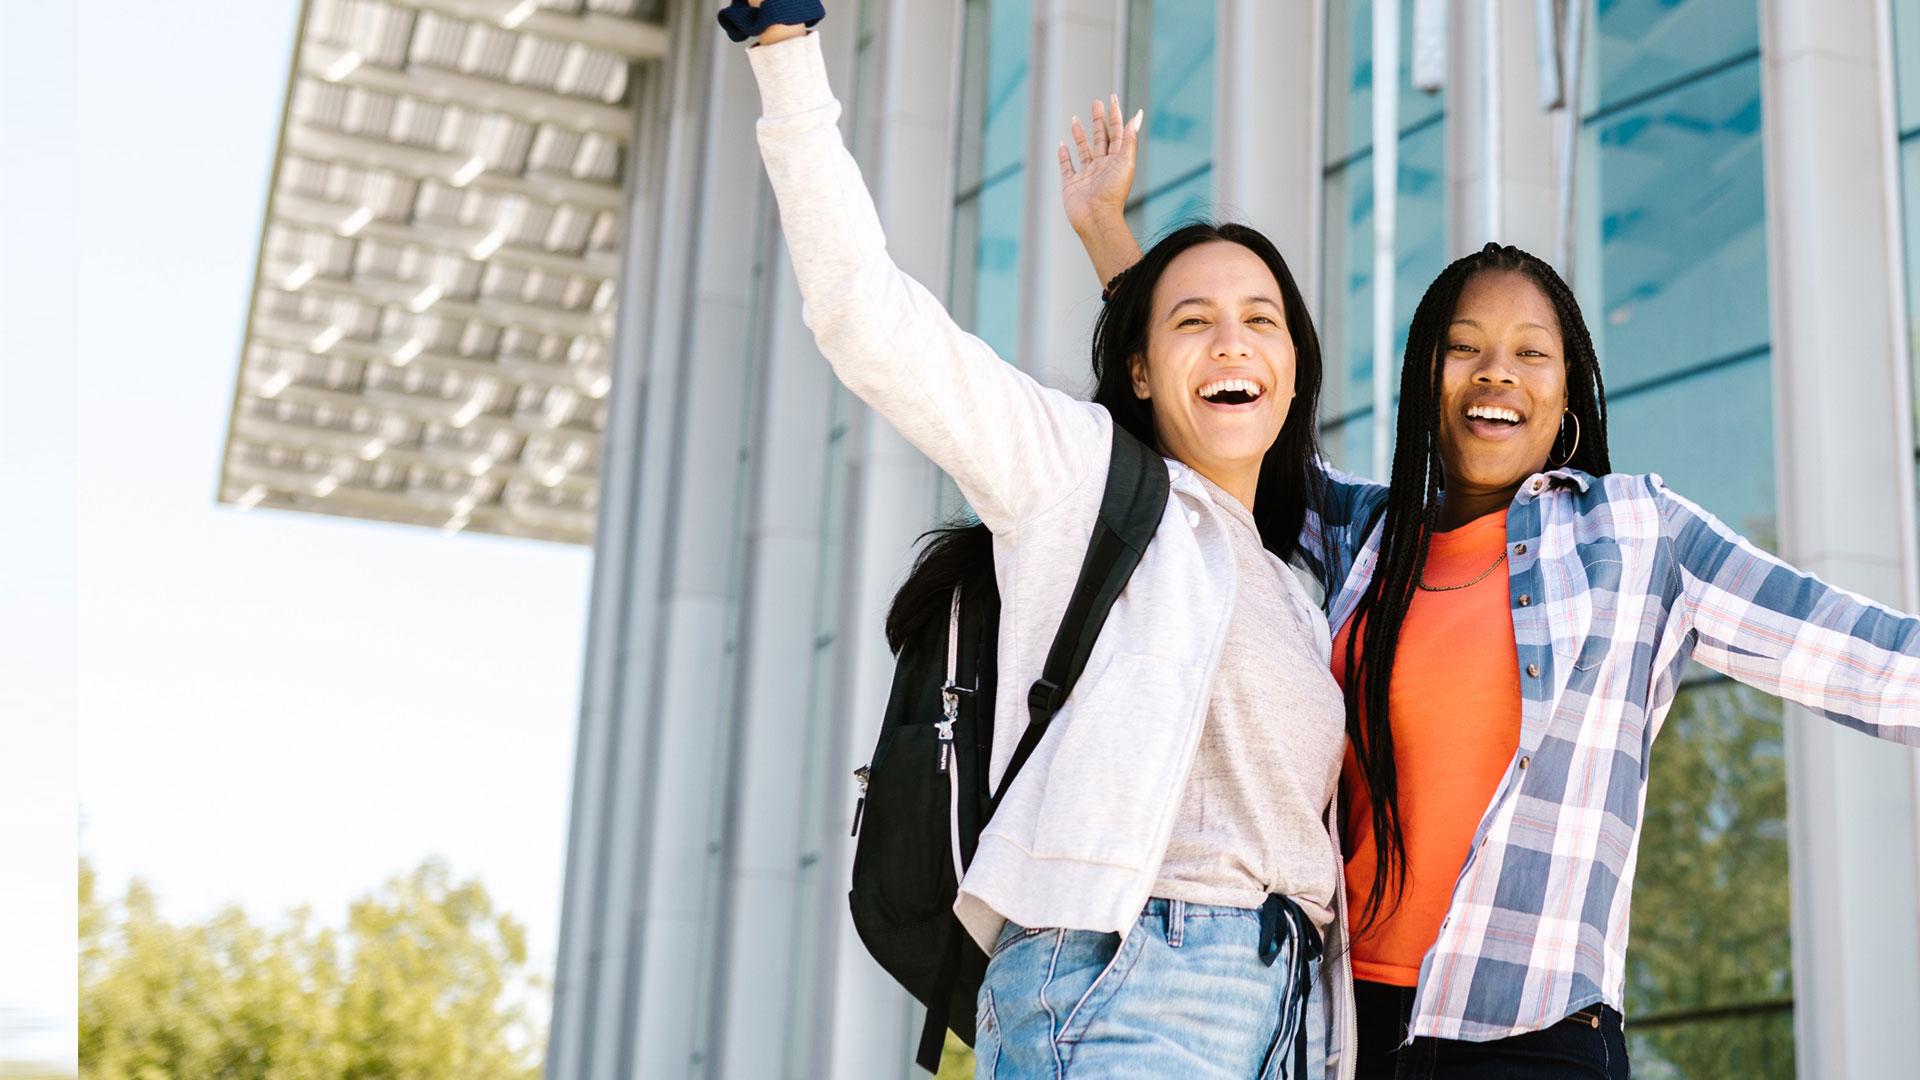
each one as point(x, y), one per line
point(1477, 326)
point(1269, 301)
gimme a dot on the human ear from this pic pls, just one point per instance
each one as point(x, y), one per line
point(1137, 368)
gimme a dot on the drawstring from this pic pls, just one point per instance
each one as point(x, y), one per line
point(1279, 916)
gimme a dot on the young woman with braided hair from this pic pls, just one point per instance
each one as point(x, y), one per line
point(1514, 619)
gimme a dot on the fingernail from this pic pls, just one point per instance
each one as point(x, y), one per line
point(1137, 117)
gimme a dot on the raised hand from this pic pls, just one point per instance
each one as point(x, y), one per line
point(1095, 194)
point(773, 34)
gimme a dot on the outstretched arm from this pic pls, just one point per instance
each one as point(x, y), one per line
point(1095, 194)
point(1015, 447)
point(1789, 633)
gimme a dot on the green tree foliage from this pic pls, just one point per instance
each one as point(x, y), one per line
point(426, 981)
point(956, 1060)
point(1710, 903)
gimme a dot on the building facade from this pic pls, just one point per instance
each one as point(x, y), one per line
point(1728, 185)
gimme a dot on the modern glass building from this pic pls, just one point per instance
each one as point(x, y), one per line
point(1730, 186)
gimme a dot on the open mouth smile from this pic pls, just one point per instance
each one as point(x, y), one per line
point(1232, 394)
point(1494, 421)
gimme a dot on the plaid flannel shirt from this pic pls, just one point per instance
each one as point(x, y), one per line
point(1614, 582)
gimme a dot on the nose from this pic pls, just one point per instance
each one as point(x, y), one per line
point(1230, 342)
point(1496, 368)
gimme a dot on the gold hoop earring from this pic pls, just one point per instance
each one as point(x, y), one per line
point(1576, 436)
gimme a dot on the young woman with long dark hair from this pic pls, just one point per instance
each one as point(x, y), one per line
point(1154, 882)
point(1514, 621)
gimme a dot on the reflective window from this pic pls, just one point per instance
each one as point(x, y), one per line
point(1682, 228)
point(1170, 73)
point(988, 204)
point(1709, 970)
point(1671, 268)
point(1346, 280)
point(1646, 46)
point(1906, 62)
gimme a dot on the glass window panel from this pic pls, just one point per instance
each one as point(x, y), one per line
point(1346, 325)
point(1346, 313)
point(1005, 123)
point(1350, 79)
point(1645, 44)
point(1174, 206)
point(1682, 229)
point(996, 275)
point(1906, 63)
point(1710, 437)
point(1906, 55)
point(989, 211)
point(1910, 206)
point(1709, 972)
point(1170, 73)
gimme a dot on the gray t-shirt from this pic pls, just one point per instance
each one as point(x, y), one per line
point(1252, 816)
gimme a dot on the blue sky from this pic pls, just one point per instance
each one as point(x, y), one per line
point(263, 708)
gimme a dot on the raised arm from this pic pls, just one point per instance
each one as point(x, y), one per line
point(1094, 194)
point(1789, 633)
point(1015, 447)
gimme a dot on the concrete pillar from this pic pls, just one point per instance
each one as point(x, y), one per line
point(1500, 142)
point(1846, 512)
point(1078, 46)
point(1267, 162)
point(866, 1025)
point(763, 1023)
point(593, 1021)
point(689, 713)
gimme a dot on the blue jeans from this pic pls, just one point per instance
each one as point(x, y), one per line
point(1190, 994)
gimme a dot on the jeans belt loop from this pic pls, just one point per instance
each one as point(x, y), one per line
point(1176, 922)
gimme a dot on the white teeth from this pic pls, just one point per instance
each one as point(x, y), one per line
point(1222, 386)
point(1492, 412)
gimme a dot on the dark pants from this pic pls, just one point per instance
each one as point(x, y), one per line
point(1588, 1044)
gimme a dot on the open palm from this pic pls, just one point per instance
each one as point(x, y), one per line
point(1097, 189)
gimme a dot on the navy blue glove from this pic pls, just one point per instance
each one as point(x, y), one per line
point(742, 20)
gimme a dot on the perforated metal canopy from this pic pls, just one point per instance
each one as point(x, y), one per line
point(434, 299)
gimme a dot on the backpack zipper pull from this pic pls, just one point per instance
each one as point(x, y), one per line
point(861, 775)
point(950, 708)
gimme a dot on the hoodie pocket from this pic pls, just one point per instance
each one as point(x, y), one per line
point(1123, 737)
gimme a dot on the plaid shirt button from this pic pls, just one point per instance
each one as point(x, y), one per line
point(1533, 670)
point(1526, 599)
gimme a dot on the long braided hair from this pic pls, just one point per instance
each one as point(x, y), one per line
point(1413, 509)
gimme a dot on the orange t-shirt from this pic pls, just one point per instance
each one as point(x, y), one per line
point(1455, 702)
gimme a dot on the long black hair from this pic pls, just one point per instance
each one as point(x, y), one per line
point(1413, 508)
point(1290, 476)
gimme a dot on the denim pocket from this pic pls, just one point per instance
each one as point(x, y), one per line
point(1119, 957)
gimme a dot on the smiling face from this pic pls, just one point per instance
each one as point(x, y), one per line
point(1219, 364)
point(1503, 385)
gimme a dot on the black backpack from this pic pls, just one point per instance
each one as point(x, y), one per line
point(924, 796)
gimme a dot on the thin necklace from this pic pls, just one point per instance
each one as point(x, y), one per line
point(1470, 584)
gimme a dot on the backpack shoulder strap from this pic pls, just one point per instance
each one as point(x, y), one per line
point(1130, 509)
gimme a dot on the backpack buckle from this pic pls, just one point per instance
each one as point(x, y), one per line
point(1045, 698)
